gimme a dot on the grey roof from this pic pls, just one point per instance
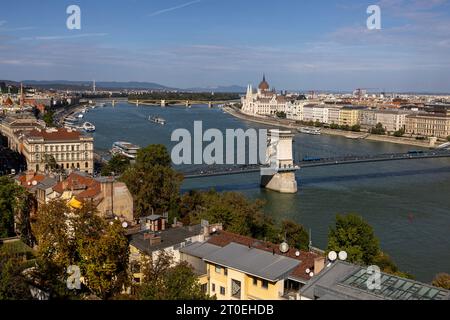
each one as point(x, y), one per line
point(47, 183)
point(170, 237)
point(345, 281)
point(255, 262)
point(200, 249)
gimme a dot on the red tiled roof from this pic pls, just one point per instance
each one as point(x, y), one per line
point(27, 183)
point(89, 187)
point(224, 238)
point(55, 135)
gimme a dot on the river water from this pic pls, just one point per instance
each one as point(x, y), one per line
point(406, 202)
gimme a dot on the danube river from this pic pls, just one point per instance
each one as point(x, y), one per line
point(407, 202)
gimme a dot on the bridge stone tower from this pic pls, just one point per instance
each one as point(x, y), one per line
point(280, 176)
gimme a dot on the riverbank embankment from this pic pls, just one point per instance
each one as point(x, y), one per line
point(292, 125)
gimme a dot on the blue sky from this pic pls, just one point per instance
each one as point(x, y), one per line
point(299, 44)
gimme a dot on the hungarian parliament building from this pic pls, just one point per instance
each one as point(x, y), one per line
point(265, 102)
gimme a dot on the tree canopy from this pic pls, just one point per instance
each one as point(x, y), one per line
point(442, 280)
point(15, 202)
point(82, 238)
point(166, 280)
point(355, 236)
point(155, 186)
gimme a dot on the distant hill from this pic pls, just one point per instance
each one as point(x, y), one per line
point(233, 89)
point(113, 85)
point(87, 85)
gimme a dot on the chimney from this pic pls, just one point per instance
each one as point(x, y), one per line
point(319, 264)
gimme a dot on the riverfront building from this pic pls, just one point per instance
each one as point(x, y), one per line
point(429, 124)
point(264, 102)
point(69, 149)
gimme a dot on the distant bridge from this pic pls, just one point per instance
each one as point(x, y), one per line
point(320, 162)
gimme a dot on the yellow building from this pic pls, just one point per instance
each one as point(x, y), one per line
point(234, 267)
point(350, 116)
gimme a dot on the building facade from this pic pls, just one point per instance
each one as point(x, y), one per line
point(264, 102)
point(430, 125)
point(70, 150)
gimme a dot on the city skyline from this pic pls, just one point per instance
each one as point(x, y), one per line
point(185, 44)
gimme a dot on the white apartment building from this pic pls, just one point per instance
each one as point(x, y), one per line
point(392, 120)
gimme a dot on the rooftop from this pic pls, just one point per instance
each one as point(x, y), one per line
point(346, 281)
point(256, 262)
point(169, 238)
point(306, 259)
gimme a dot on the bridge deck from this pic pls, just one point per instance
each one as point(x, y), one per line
point(322, 162)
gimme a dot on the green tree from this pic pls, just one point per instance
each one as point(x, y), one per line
point(334, 126)
point(296, 235)
point(356, 128)
point(155, 186)
point(233, 210)
point(355, 236)
point(81, 237)
point(399, 133)
point(104, 261)
point(379, 129)
point(166, 280)
point(117, 165)
point(48, 118)
point(442, 280)
point(448, 138)
point(15, 202)
point(13, 283)
point(52, 230)
point(387, 265)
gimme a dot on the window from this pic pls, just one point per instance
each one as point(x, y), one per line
point(204, 288)
point(213, 287)
point(255, 281)
point(225, 271)
point(218, 269)
point(222, 291)
point(265, 284)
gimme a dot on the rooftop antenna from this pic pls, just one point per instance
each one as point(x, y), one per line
point(310, 240)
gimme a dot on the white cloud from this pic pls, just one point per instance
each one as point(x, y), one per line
point(84, 35)
point(156, 13)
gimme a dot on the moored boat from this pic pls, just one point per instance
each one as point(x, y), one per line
point(310, 130)
point(126, 149)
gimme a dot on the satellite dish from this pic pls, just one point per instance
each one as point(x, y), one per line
point(308, 270)
point(343, 255)
point(214, 230)
point(311, 274)
point(332, 256)
point(297, 253)
point(125, 225)
point(34, 183)
point(284, 247)
point(111, 223)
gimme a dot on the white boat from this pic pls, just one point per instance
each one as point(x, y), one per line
point(157, 120)
point(88, 127)
point(80, 116)
point(126, 149)
point(310, 130)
